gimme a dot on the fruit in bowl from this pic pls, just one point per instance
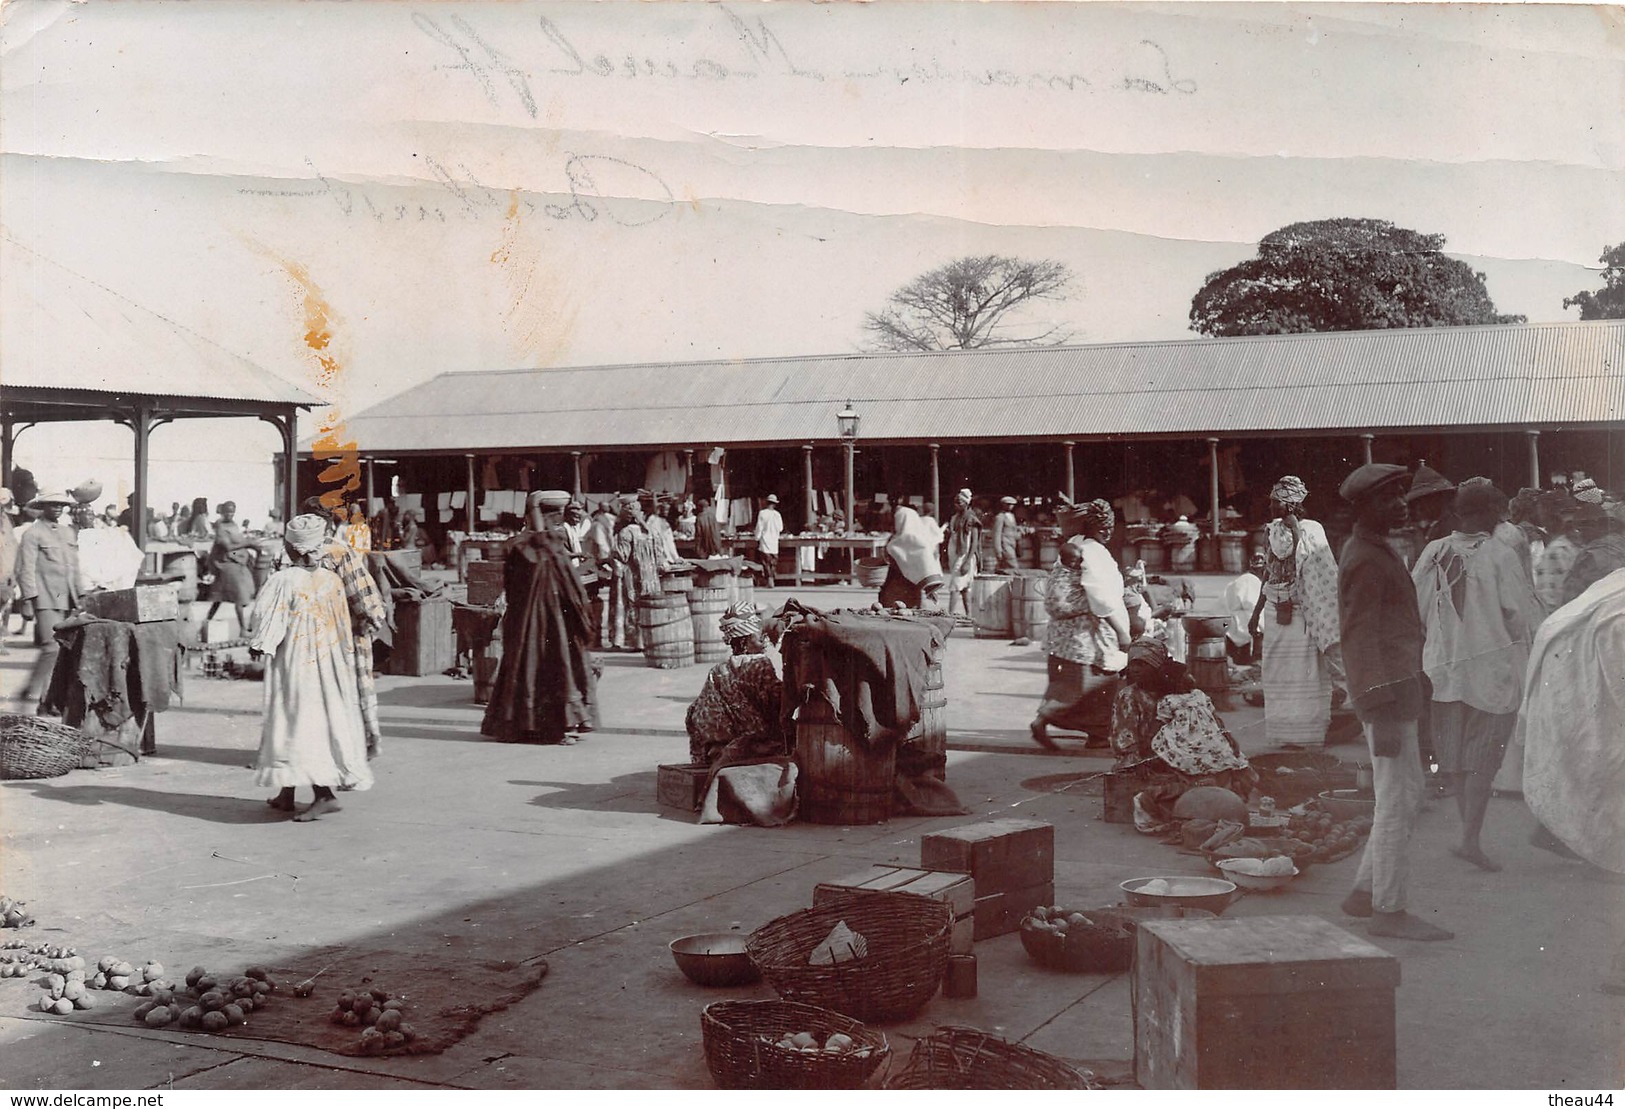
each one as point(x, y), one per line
point(1259, 874)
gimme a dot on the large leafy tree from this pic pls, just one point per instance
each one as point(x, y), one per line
point(1607, 303)
point(971, 302)
point(1343, 275)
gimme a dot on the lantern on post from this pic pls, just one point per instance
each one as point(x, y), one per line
point(847, 421)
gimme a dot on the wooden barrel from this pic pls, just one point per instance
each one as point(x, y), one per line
point(667, 631)
point(841, 780)
point(1208, 668)
point(705, 609)
point(1233, 552)
point(1028, 616)
point(745, 589)
point(990, 606)
point(1153, 554)
point(1049, 548)
point(1131, 553)
point(930, 735)
point(676, 581)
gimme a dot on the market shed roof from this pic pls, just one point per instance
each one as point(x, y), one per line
point(74, 341)
point(1468, 378)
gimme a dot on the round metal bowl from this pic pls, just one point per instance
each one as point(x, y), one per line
point(1259, 882)
point(1212, 894)
point(1202, 628)
point(1346, 804)
point(715, 959)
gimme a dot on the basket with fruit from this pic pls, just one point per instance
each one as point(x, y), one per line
point(786, 1045)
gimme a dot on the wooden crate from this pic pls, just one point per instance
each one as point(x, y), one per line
point(424, 643)
point(1275, 1002)
point(957, 891)
point(1001, 855)
point(145, 604)
point(681, 786)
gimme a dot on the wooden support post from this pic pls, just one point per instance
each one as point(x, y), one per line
point(576, 484)
point(1534, 458)
point(688, 472)
point(936, 482)
point(1365, 446)
point(370, 493)
point(290, 451)
point(1213, 485)
point(1071, 474)
point(8, 436)
point(141, 424)
point(811, 514)
point(851, 491)
point(473, 512)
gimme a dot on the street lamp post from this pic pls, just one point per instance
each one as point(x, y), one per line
point(847, 420)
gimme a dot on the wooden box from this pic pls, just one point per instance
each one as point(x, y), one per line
point(681, 786)
point(424, 643)
point(1001, 855)
point(485, 582)
point(1275, 1002)
point(957, 891)
point(1117, 796)
point(144, 604)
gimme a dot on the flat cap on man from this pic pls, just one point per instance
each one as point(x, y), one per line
point(1369, 479)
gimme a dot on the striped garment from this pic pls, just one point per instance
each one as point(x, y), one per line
point(367, 616)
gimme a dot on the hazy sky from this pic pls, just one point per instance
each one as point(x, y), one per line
point(470, 185)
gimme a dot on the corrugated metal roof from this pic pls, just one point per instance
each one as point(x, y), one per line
point(1467, 377)
point(65, 331)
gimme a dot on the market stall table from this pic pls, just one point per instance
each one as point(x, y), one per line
point(854, 545)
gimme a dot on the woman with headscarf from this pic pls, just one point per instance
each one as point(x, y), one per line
point(736, 716)
point(1297, 614)
point(1479, 613)
point(545, 689)
point(636, 573)
point(1088, 629)
point(914, 570)
point(1164, 725)
point(964, 551)
point(312, 733)
point(232, 561)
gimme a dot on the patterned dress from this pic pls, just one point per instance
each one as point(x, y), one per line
point(736, 715)
point(1302, 657)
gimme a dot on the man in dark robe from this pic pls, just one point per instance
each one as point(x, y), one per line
point(545, 689)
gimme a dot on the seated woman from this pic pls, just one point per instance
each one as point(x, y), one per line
point(736, 718)
point(1169, 730)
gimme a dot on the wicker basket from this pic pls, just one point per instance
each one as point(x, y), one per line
point(969, 1059)
point(907, 939)
point(742, 1053)
point(872, 572)
point(38, 747)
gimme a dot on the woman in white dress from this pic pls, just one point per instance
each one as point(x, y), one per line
point(312, 734)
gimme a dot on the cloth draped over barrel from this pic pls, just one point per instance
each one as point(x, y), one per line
point(760, 791)
point(870, 669)
point(120, 670)
point(545, 684)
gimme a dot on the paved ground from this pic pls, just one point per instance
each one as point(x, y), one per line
point(563, 854)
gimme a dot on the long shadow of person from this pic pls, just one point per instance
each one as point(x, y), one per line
point(215, 810)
